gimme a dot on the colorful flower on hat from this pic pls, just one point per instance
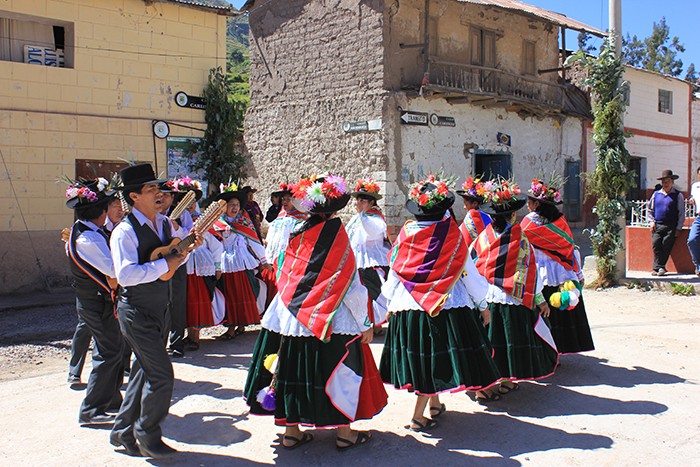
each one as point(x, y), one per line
point(82, 192)
point(228, 188)
point(318, 189)
point(473, 187)
point(501, 191)
point(187, 184)
point(170, 185)
point(427, 197)
point(547, 191)
point(367, 185)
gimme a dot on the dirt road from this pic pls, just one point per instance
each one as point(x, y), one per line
point(632, 401)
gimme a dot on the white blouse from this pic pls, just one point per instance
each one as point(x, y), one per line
point(350, 318)
point(206, 260)
point(239, 252)
point(278, 236)
point(367, 234)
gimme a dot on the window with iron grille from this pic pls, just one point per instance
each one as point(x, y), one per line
point(665, 101)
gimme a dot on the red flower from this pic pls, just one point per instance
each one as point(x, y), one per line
point(423, 199)
point(442, 189)
point(507, 194)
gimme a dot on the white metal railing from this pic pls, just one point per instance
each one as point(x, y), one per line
point(640, 215)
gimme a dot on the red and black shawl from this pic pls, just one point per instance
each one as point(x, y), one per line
point(242, 225)
point(554, 239)
point(429, 262)
point(317, 271)
point(507, 261)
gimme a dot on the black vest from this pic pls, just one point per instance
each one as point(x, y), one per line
point(152, 295)
point(86, 277)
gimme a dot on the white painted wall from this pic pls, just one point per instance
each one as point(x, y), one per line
point(538, 146)
point(643, 111)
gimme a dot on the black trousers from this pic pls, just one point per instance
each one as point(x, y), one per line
point(147, 399)
point(178, 309)
point(662, 240)
point(107, 356)
point(79, 347)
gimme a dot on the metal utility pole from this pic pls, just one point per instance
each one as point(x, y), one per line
point(615, 18)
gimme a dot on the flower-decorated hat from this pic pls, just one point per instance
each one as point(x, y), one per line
point(321, 194)
point(430, 198)
point(472, 189)
point(185, 184)
point(230, 191)
point(545, 192)
point(86, 193)
point(168, 186)
point(138, 175)
point(285, 189)
point(502, 196)
point(367, 188)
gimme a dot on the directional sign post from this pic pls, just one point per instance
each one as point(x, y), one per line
point(414, 118)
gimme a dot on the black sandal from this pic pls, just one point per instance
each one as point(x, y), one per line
point(435, 412)
point(505, 389)
point(305, 439)
point(420, 427)
point(485, 399)
point(363, 437)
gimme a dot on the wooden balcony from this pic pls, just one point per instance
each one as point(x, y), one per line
point(491, 87)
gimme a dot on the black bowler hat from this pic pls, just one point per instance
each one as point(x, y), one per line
point(503, 209)
point(436, 210)
point(138, 175)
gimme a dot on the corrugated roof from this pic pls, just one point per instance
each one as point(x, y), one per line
point(222, 10)
point(531, 10)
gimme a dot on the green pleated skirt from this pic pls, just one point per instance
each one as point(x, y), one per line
point(305, 364)
point(449, 352)
point(570, 328)
point(518, 351)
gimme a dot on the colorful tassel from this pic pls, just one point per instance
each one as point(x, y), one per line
point(270, 363)
point(555, 300)
point(266, 398)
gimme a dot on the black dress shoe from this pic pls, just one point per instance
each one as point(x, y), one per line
point(130, 447)
point(156, 450)
point(99, 419)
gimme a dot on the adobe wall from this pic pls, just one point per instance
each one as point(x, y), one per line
point(314, 65)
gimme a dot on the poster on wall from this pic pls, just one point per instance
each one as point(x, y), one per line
point(182, 154)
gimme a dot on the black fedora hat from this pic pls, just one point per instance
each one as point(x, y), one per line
point(502, 209)
point(285, 189)
point(87, 193)
point(331, 205)
point(138, 175)
point(240, 195)
point(668, 174)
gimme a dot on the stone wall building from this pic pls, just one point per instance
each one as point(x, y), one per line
point(123, 62)
point(394, 89)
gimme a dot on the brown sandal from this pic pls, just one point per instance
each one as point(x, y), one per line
point(306, 438)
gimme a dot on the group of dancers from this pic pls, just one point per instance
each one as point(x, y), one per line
point(471, 307)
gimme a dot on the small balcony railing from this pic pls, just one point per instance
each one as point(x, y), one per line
point(486, 84)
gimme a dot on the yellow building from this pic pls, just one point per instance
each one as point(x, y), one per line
point(82, 83)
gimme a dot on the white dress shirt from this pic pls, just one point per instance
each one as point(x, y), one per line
point(92, 247)
point(124, 244)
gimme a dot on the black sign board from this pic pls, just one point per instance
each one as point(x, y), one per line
point(414, 118)
point(192, 102)
point(437, 120)
point(355, 126)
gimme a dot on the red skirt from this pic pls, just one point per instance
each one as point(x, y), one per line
point(241, 303)
point(268, 277)
point(199, 307)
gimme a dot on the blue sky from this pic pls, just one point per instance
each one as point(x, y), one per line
point(638, 17)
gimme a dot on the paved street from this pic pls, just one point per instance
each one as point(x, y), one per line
point(630, 402)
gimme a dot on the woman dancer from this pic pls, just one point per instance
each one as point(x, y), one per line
point(311, 363)
point(370, 243)
point(434, 342)
point(504, 261)
point(243, 255)
point(558, 261)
